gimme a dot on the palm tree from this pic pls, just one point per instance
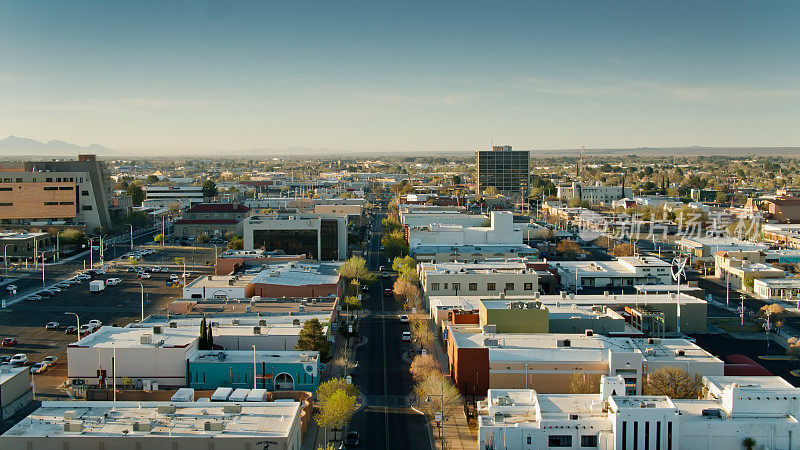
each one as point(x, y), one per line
point(749, 443)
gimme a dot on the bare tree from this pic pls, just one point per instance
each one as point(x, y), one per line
point(437, 393)
point(583, 383)
point(422, 366)
point(674, 383)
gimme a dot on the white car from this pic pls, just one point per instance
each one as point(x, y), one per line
point(85, 329)
point(19, 358)
point(174, 277)
point(156, 269)
point(51, 326)
point(113, 281)
point(406, 336)
point(83, 276)
point(11, 287)
point(165, 270)
point(146, 275)
point(99, 272)
point(95, 324)
point(404, 318)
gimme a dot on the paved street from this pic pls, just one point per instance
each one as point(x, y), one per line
point(386, 421)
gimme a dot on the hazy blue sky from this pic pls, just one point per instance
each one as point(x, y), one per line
point(373, 75)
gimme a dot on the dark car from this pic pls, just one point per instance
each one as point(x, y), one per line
point(352, 439)
point(8, 342)
point(71, 330)
point(387, 292)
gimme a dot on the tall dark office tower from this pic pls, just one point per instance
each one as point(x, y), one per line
point(504, 169)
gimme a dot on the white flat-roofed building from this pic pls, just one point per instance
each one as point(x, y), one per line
point(761, 408)
point(777, 288)
point(422, 217)
point(15, 389)
point(218, 287)
point(625, 271)
point(154, 354)
point(489, 277)
point(158, 425)
point(704, 248)
point(501, 231)
point(182, 194)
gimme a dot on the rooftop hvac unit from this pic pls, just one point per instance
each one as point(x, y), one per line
point(649, 351)
point(563, 295)
point(653, 341)
point(563, 343)
point(262, 323)
point(573, 417)
point(490, 328)
point(295, 322)
point(232, 409)
point(213, 426)
point(146, 339)
point(73, 427)
point(231, 281)
point(256, 330)
point(680, 352)
point(142, 426)
point(490, 342)
point(537, 295)
point(505, 401)
point(214, 324)
point(166, 409)
point(70, 414)
point(173, 324)
point(589, 332)
point(157, 329)
point(235, 321)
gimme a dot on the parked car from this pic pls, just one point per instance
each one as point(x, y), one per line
point(74, 281)
point(405, 336)
point(365, 288)
point(11, 287)
point(131, 269)
point(46, 293)
point(165, 270)
point(51, 326)
point(404, 318)
point(33, 297)
point(99, 272)
point(38, 368)
point(155, 269)
point(83, 277)
point(113, 281)
point(4, 359)
point(19, 359)
point(352, 439)
point(50, 361)
point(85, 329)
point(10, 342)
point(174, 277)
point(53, 289)
point(95, 324)
point(70, 329)
point(146, 276)
point(63, 284)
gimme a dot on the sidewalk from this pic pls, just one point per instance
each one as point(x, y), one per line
point(456, 431)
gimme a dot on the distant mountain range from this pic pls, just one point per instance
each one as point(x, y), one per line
point(14, 145)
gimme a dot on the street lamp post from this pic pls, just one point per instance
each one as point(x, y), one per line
point(130, 225)
point(441, 406)
point(5, 257)
point(78, 319)
point(254, 366)
point(142, 286)
point(43, 284)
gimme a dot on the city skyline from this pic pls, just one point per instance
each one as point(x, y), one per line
point(362, 77)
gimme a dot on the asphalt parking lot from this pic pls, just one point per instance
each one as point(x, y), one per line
point(116, 305)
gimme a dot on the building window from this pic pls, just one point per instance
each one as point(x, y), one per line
point(48, 180)
point(473, 286)
point(50, 203)
point(491, 287)
point(86, 207)
point(624, 435)
point(6, 204)
point(434, 286)
point(559, 440)
point(5, 188)
point(19, 180)
point(84, 193)
point(51, 188)
point(528, 440)
point(635, 435)
point(589, 440)
point(509, 286)
point(528, 286)
point(66, 203)
point(65, 188)
point(456, 286)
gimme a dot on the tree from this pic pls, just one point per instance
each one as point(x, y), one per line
point(327, 388)
point(210, 189)
point(236, 243)
point(399, 262)
point(311, 338)
point(410, 274)
point(337, 410)
point(133, 261)
point(352, 302)
point(582, 383)
point(422, 366)
point(203, 343)
point(136, 218)
point(356, 269)
point(748, 282)
point(403, 289)
point(437, 393)
point(202, 238)
point(422, 332)
point(394, 244)
point(721, 197)
point(209, 338)
point(151, 179)
point(71, 236)
point(136, 192)
point(390, 224)
point(673, 382)
point(749, 443)
point(570, 248)
point(159, 238)
point(622, 250)
point(491, 191)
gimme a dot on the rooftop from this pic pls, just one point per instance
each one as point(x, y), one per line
point(107, 337)
point(219, 281)
point(98, 418)
point(218, 208)
point(246, 356)
point(298, 274)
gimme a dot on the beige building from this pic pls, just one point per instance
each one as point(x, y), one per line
point(736, 268)
point(509, 277)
